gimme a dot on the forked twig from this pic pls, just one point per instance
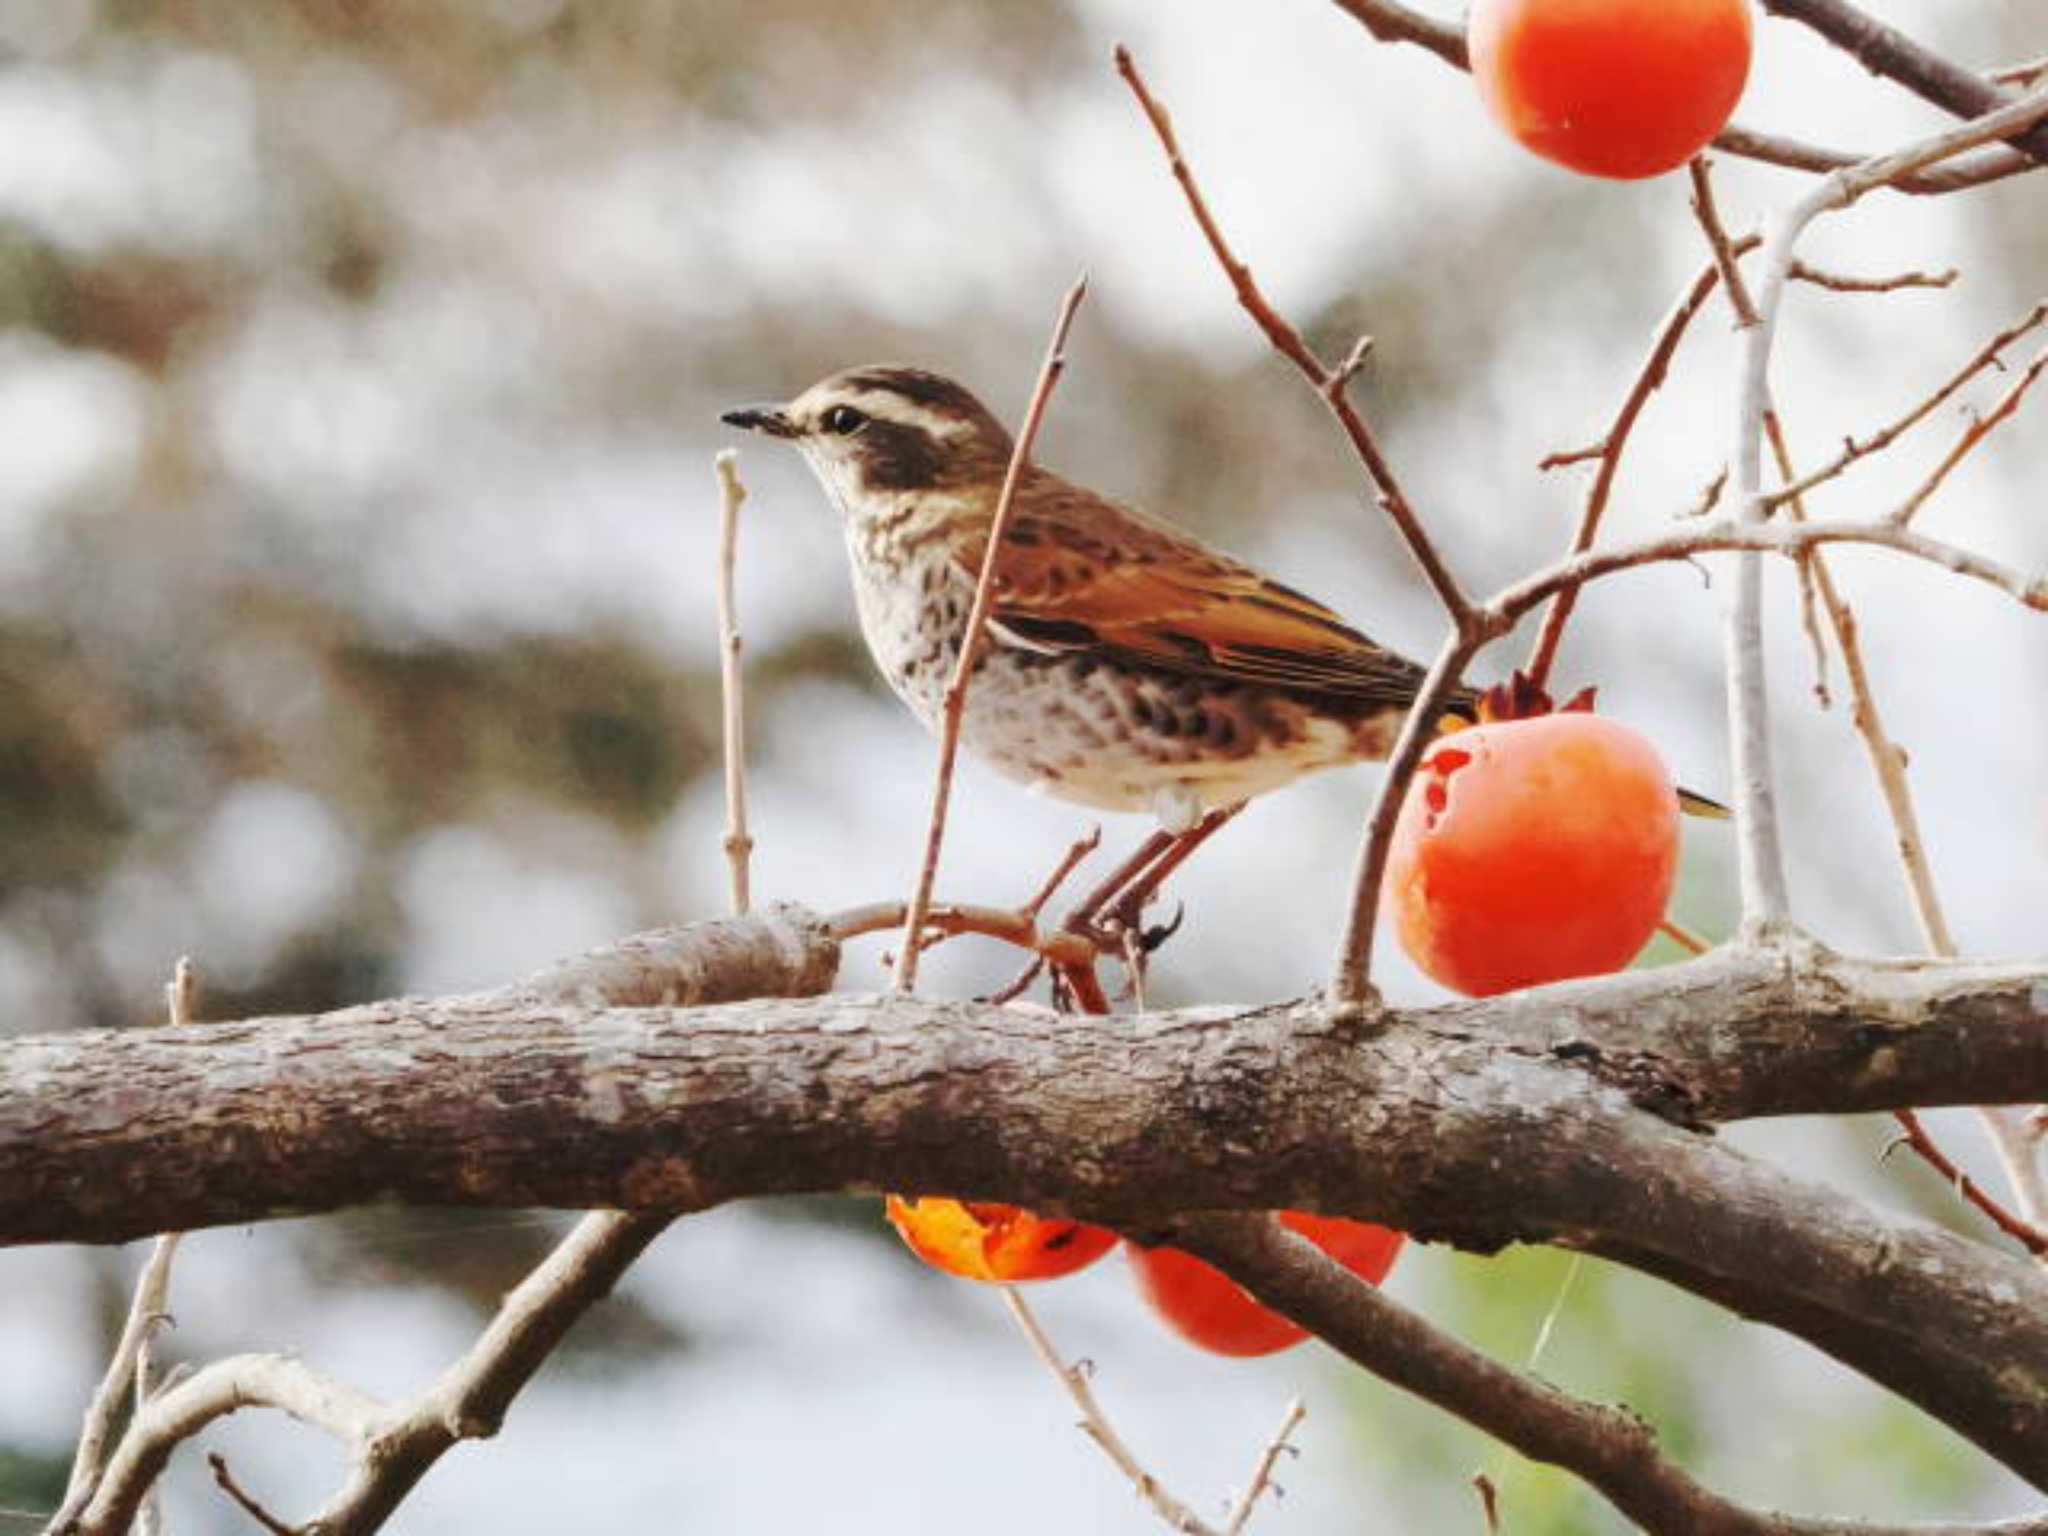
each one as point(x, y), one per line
point(739, 844)
point(955, 702)
point(1886, 758)
point(234, 1490)
point(1262, 1472)
point(1329, 384)
point(1095, 1424)
point(146, 1311)
point(1765, 902)
point(1351, 985)
point(1609, 450)
point(1855, 448)
point(1912, 1133)
point(1973, 434)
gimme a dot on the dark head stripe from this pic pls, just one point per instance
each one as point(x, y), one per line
point(919, 387)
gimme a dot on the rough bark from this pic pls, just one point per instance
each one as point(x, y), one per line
point(1572, 1114)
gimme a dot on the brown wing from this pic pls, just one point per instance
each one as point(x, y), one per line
point(1078, 574)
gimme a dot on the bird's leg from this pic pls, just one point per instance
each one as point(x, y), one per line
point(1083, 919)
point(1117, 906)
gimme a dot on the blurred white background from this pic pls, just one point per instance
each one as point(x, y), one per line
point(359, 376)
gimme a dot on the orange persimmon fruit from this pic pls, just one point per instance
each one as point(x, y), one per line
point(1209, 1309)
point(1619, 88)
point(981, 1240)
point(1530, 851)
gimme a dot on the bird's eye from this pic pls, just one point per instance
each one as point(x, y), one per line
point(844, 420)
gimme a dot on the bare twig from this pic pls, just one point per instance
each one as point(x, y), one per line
point(1392, 22)
point(1057, 877)
point(1973, 434)
point(1609, 450)
point(1912, 1133)
point(1886, 758)
point(145, 1312)
point(1351, 987)
point(739, 845)
point(977, 625)
point(1683, 936)
point(1860, 448)
point(1262, 1472)
point(1015, 926)
point(1329, 384)
point(1884, 50)
point(2016, 1135)
point(1351, 984)
point(1095, 1424)
point(1836, 282)
point(1724, 535)
point(1766, 904)
point(2021, 74)
point(1710, 495)
point(250, 1507)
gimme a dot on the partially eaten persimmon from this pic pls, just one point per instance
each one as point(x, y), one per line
point(1000, 1244)
point(1532, 850)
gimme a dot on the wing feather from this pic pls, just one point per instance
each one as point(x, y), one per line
point(1077, 575)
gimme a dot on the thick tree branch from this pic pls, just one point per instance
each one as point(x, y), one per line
point(1609, 1448)
point(784, 953)
point(1553, 1115)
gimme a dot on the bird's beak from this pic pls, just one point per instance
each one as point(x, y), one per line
point(771, 419)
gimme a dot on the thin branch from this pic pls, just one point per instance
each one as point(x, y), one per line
point(1609, 450)
point(739, 845)
point(1330, 385)
point(145, 1312)
point(2016, 1136)
point(1836, 282)
point(977, 627)
point(1885, 50)
point(234, 1490)
point(212, 1392)
point(1973, 434)
point(1351, 990)
point(1854, 449)
point(1392, 22)
point(1766, 904)
point(2021, 74)
point(1015, 926)
point(1914, 1134)
point(1095, 1424)
point(1886, 758)
point(1262, 1471)
point(1499, 613)
point(1683, 936)
point(1610, 1449)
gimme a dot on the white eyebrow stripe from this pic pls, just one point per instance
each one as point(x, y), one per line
point(886, 405)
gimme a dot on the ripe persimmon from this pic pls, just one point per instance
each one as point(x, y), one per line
point(1207, 1308)
point(1532, 850)
point(1621, 88)
point(981, 1240)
